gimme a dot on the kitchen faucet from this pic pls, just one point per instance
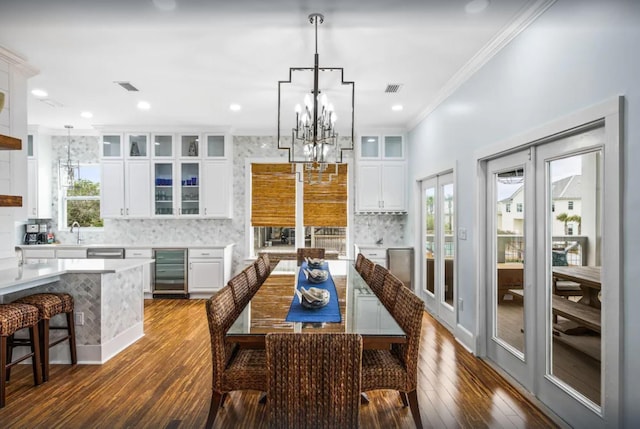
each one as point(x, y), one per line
point(76, 225)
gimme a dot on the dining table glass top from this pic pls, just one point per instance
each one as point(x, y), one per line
point(361, 310)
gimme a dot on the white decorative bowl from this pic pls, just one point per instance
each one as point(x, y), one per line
point(315, 262)
point(316, 276)
point(314, 297)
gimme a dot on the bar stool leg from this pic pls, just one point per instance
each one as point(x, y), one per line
point(35, 349)
point(3, 369)
point(72, 337)
point(44, 348)
point(9, 355)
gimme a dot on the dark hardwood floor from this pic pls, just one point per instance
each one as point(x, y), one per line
point(164, 379)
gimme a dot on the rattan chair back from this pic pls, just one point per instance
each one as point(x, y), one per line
point(240, 287)
point(313, 380)
point(359, 260)
point(390, 288)
point(408, 311)
point(376, 280)
point(309, 252)
point(366, 269)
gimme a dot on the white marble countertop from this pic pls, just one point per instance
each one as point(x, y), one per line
point(49, 269)
point(125, 246)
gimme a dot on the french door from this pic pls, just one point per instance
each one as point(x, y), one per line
point(439, 247)
point(545, 217)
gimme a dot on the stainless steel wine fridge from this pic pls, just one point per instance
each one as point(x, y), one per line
point(170, 273)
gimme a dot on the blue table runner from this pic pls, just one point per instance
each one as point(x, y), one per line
point(328, 313)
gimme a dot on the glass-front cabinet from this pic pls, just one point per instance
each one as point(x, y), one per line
point(162, 145)
point(190, 189)
point(112, 146)
point(163, 188)
point(215, 146)
point(138, 145)
point(189, 146)
point(176, 189)
point(381, 147)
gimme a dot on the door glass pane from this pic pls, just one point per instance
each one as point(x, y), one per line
point(574, 213)
point(448, 223)
point(163, 145)
point(430, 237)
point(509, 258)
point(190, 189)
point(163, 189)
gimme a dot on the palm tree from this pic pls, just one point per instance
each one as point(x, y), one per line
point(577, 219)
point(563, 217)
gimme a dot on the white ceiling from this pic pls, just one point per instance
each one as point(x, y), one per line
point(192, 62)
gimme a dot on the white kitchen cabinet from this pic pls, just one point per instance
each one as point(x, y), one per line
point(381, 146)
point(381, 186)
point(371, 315)
point(146, 269)
point(39, 176)
point(177, 190)
point(38, 253)
point(376, 254)
point(209, 270)
point(126, 189)
point(80, 253)
point(217, 191)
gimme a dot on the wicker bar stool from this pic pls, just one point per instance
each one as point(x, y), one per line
point(49, 305)
point(14, 317)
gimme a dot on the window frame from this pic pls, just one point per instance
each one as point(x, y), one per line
point(64, 199)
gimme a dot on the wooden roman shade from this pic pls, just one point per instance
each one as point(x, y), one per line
point(273, 195)
point(325, 204)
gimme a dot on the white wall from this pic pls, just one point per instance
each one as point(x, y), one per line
point(575, 55)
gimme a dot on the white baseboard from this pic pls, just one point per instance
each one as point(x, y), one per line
point(465, 338)
point(97, 354)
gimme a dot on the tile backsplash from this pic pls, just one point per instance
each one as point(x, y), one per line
point(86, 149)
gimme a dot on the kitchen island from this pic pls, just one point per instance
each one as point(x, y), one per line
point(108, 295)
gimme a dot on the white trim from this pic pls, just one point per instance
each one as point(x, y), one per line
point(484, 55)
point(465, 338)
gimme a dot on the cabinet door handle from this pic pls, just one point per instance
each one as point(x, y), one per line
point(205, 211)
point(121, 212)
point(191, 265)
point(127, 211)
point(205, 254)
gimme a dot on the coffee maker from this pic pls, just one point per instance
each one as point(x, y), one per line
point(31, 235)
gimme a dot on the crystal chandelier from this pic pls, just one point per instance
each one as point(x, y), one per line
point(69, 171)
point(315, 141)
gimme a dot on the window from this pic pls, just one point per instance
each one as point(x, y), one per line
point(82, 203)
point(519, 207)
point(508, 208)
point(273, 209)
point(570, 205)
point(569, 230)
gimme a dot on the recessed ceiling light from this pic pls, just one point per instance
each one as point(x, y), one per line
point(397, 107)
point(235, 107)
point(144, 105)
point(39, 92)
point(476, 6)
point(86, 115)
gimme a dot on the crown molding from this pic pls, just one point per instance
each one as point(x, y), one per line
point(18, 62)
point(529, 14)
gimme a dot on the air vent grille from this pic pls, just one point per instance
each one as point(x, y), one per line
point(127, 86)
point(393, 87)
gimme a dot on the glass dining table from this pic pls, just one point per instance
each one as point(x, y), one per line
point(361, 311)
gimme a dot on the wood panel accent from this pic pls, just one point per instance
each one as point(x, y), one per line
point(325, 204)
point(164, 381)
point(273, 195)
point(10, 201)
point(10, 143)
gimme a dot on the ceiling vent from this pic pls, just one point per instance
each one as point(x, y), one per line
point(393, 87)
point(127, 86)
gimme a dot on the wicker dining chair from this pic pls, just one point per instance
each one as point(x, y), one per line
point(376, 280)
point(359, 260)
point(309, 252)
point(390, 289)
point(262, 268)
point(366, 269)
point(240, 288)
point(233, 368)
point(253, 280)
point(397, 368)
point(313, 380)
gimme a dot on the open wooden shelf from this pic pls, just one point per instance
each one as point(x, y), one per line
point(10, 201)
point(10, 143)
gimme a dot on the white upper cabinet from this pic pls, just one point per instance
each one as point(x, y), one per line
point(167, 175)
point(39, 176)
point(381, 146)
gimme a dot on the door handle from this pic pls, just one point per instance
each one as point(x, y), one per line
point(127, 211)
point(121, 212)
